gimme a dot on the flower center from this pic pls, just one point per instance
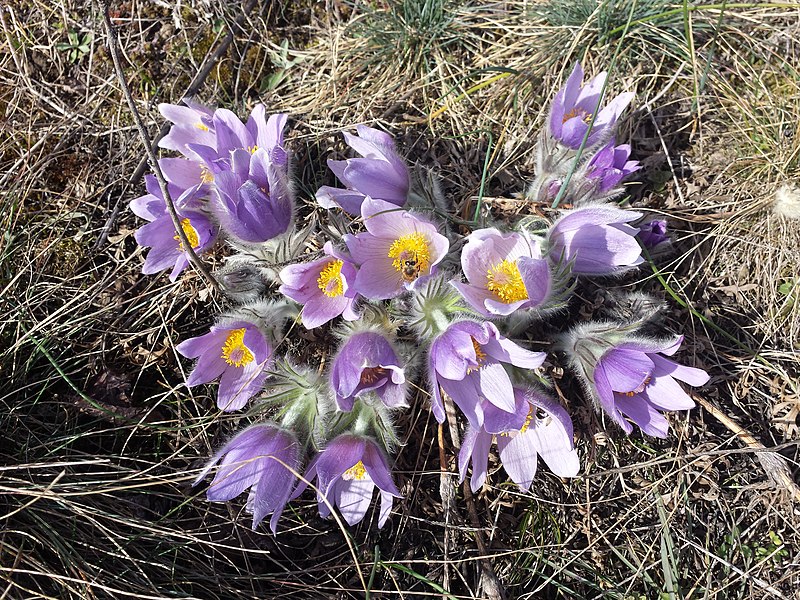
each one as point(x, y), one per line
point(372, 374)
point(410, 255)
point(638, 390)
point(205, 174)
point(505, 282)
point(191, 234)
point(252, 149)
point(357, 472)
point(234, 351)
point(330, 279)
point(586, 117)
point(480, 356)
point(201, 126)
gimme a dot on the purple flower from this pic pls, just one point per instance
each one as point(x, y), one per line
point(466, 363)
point(237, 353)
point(166, 249)
point(381, 173)
point(574, 106)
point(191, 124)
point(347, 470)
point(543, 428)
point(653, 233)
point(597, 238)
point(323, 287)
point(367, 362)
point(611, 165)
point(505, 272)
point(397, 248)
point(263, 458)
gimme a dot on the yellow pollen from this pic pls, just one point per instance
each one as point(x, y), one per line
point(525, 425)
point(205, 174)
point(234, 351)
point(191, 234)
point(410, 255)
point(505, 282)
point(357, 471)
point(252, 149)
point(577, 112)
point(637, 390)
point(480, 356)
point(330, 279)
point(201, 127)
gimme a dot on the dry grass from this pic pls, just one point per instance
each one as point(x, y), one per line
point(101, 440)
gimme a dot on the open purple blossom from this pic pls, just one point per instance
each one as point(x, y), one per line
point(397, 248)
point(263, 458)
point(466, 363)
point(576, 103)
point(324, 287)
point(367, 362)
point(505, 272)
point(630, 377)
point(380, 173)
point(596, 240)
point(611, 165)
point(542, 429)
point(653, 234)
point(347, 471)
point(237, 353)
point(191, 124)
point(166, 248)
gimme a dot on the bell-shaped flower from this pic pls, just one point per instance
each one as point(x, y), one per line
point(235, 351)
point(253, 200)
point(263, 458)
point(466, 363)
point(166, 248)
point(611, 165)
point(505, 272)
point(367, 362)
point(398, 248)
point(380, 173)
point(595, 240)
point(324, 287)
point(653, 234)
point(574, 106)
point(629, 376)
point(347, 471)
point(540, 428)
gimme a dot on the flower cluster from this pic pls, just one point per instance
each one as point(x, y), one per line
point(409, 315)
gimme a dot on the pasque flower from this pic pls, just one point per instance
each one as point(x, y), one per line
point(367, 362)
point(236, 352)
point(466, 363)
point(380, 173)
point(324, 287)
point(397, 248)
point(595, 239)
point(610, 165)
point(192, 124)
point(629, 376)
point(264, 458)
point(505, 272)
point(347, 471)
point(540, 428)
point(576, 103)
point(653, 234)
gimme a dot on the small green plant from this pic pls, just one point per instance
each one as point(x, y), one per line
point(77, 45)
point(280, 59)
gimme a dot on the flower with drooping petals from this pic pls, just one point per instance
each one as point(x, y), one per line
point(237, 353)
point(397, 248)
point(347, 471)
point(324, 287)
point(505, 272)
point(367, 362)
point(466, 363)
point(611, 165)
point(576, 103)
point(629, 376)
point(542, 429)
point(596, 240)
point(263, 458)
point(380, 173)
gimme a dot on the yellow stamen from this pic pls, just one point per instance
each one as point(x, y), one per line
point(526, 424)
point(638, 390)
point(410, 255)
point(577, 112)
point(205, 175)
point(234, 351)
point(480, 356)
point(330, 279)
point(201, 127)
point(252, 149)
point(191, 234)
point(505, 282)
point(357, 472)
